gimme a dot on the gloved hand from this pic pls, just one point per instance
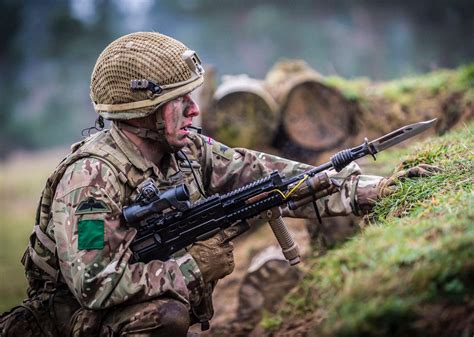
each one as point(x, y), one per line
point(214, 257)
point(388, 185)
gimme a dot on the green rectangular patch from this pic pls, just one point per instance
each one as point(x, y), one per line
point(91, 234)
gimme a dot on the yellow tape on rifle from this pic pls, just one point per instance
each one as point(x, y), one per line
point(292, 190)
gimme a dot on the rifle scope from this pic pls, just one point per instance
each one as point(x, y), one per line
point(177, 197)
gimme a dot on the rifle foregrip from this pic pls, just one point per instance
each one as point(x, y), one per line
point(288, 246)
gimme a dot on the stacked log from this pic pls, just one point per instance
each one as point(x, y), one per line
point(242, 113)
point(302, 115)
point(315, 118)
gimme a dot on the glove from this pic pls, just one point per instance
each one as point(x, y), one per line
point(214, 257)
point(388, 185)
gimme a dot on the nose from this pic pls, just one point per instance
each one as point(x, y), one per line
point(192, 109)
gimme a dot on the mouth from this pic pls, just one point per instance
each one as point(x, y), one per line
point(185, 129)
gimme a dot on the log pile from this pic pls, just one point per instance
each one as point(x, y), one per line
point(242, 113)
point(300, 114)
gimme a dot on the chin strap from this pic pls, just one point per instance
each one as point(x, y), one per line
point(141, 132)
point(156, 135)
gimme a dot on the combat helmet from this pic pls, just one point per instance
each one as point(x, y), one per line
point(138, 72)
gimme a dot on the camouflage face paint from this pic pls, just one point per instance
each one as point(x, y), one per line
point(178, 115)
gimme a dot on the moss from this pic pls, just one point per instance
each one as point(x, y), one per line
point(271, 322)
point(353, 90)
point(466, 83)
point(408, 89)
point(466, 76)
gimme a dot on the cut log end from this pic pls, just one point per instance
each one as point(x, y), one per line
point(244, 119)
point(317, 117)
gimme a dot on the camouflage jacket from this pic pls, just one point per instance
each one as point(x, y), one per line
point(80, 231)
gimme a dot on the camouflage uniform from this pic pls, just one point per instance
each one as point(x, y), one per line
point(83, 236)
point(78, 262)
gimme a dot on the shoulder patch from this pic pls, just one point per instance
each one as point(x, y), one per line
point(92, 205)
point(223, 151)
point(91, 234)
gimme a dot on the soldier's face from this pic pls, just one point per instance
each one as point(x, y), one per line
point(178, 115)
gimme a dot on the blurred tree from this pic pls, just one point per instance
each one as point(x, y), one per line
point(10, 59)
point(49, 47)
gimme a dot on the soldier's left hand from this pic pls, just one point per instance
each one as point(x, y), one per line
point(388, 185)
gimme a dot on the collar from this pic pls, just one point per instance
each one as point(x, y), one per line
point(132, 152)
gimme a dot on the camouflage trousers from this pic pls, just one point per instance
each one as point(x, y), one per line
point(62, 316)
point(161, 317)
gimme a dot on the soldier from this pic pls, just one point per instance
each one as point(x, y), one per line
point(81, 278)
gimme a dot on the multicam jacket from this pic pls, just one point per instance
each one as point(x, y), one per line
point(81, 239)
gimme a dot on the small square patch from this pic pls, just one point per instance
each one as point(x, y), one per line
point(91, 234)
point(223, 151)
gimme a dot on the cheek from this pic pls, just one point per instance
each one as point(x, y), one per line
point(177, 120)
point(172, 123)
point(173, 118)
point(169, 126)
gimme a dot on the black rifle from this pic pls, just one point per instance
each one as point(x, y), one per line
point(168, 222)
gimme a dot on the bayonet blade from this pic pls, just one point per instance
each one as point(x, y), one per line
point(400, 135)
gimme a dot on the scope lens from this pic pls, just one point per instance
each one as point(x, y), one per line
point(182, 193)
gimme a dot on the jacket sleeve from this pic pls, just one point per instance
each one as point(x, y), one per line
point(93, 244)
point(228, 169)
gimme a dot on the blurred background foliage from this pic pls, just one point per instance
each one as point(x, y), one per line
point(49, 47)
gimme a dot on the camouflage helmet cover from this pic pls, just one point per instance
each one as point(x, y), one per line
point(139, 72)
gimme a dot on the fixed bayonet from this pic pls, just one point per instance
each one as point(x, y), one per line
point(398, 136)
point(345, 157)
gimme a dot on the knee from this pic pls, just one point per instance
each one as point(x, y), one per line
point(161, 317)
point(174, 318)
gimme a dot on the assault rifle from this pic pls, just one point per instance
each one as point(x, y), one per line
point(167, 222)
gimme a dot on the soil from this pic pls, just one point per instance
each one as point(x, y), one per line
point(225, 295)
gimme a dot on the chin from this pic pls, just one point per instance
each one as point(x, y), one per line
point(178, 146)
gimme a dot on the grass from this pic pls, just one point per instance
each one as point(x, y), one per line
point(21, 179)
point(418, 253)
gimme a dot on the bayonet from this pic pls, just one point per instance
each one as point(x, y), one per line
point(344, 157)
point(399, 135)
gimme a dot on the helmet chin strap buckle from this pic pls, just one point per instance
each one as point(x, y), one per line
point(146, 85)
point(155, 135)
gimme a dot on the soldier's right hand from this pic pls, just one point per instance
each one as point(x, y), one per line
point(214, 257)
